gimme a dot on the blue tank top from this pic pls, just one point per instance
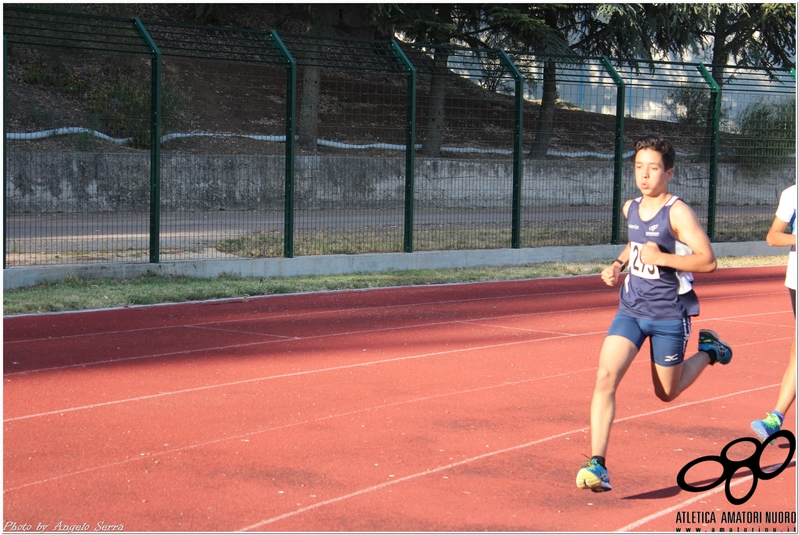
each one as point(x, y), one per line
point(656, 292)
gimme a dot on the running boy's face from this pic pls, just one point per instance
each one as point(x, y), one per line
point(651, 175)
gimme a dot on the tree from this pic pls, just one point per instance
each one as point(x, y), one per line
point(760, 35)
point(551, 31)
point(321, 20)
point(747, 35)
point(541, 28)
point(438, 24)
point(431, 23)
point(325, 20)
point(635, 31)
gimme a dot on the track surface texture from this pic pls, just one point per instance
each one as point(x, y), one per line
point(438, 408)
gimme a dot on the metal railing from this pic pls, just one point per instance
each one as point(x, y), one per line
point(145, 141)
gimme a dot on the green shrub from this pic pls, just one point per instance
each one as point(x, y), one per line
point(689, 105)
point(767, 131)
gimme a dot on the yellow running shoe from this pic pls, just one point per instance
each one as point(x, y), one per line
point(593, 476)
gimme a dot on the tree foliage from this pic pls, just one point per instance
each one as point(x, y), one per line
point(758, 35)
point(635, 31)
point(747, 35)
point(767, 132)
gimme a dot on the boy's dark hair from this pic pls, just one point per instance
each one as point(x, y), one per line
point(657, 143)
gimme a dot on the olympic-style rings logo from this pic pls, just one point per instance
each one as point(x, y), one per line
point(730, 466)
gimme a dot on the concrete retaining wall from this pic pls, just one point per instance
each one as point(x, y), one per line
point(42, 182)
point(333, 264)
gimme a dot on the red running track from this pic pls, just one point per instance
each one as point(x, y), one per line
point(437, 408)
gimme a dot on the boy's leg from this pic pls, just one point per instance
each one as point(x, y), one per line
point(773, 421)
point(614, 360)
point(621, 344)
point(671, 381)
point(788, 388)
point(671, 375)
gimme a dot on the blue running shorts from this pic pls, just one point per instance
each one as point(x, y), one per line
point(667, 338)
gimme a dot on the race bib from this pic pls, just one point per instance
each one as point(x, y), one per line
point(637, 267)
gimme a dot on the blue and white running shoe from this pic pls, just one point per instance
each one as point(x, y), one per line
point(717, 350)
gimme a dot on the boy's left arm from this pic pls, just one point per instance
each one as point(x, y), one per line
point(687, 229)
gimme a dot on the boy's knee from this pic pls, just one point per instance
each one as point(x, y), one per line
point(605, 380)
point(667, 396)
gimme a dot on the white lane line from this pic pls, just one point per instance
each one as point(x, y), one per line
point(654, 516)
point(283, 315)
point(422, 323)
point(330, 335)
point(480, 323)
point(478, 458)
point(237, 331)
point(320, 370)
point(369, 409)
point(307, 422)
point(292, 374)
point(406, 478)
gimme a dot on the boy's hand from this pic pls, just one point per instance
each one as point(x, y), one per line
point(651, 254)
point(611, 274)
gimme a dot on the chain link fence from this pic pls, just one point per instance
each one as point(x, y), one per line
point(76, 116)
point(223, 101)
point(464, 175)
point(757, 151)
point(349, 177)
point(569, 142)
point(145, 141)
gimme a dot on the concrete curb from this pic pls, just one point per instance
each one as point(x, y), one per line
point(340, 264)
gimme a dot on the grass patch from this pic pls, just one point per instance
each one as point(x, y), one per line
point(77, 293)
point(742, 228)
point(269, 244)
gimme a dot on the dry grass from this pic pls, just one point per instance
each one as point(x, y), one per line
point(83, 294)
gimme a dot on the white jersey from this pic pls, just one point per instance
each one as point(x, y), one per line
point(786, 211)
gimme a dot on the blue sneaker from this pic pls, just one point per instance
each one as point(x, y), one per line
point(765, 428)
point(717, 350)
point(593, 476)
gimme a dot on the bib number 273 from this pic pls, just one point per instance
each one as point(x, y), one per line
point(637, 267)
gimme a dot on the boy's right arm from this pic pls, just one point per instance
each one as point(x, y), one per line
point(610, 275)
point(777, 236)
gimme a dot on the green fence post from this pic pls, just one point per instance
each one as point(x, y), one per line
point(155, 142)
point(715, 107)
point(618, 159)
point(5, 152)
point(518, 155)
point(410, 144)
point(291, 143)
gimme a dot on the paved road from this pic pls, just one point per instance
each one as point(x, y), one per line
point(191, 229)
point(65, 232)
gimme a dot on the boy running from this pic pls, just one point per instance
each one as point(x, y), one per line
point(784, 219)
point(666, 243)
